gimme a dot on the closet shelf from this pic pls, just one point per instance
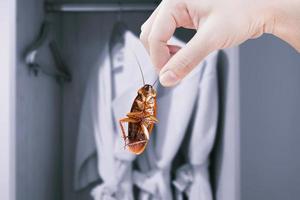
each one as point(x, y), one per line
point(98, 7)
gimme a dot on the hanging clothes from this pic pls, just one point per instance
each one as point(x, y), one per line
point(189, 109)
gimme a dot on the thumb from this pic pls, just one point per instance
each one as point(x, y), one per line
point(187, 58)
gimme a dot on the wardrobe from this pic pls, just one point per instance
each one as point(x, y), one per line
point(49, 96)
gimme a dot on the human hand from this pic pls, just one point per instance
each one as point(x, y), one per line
point(219, 24)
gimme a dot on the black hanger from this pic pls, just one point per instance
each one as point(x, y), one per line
point(118, 30)
point(116, 37)
point(61, 72)
point(117, 33)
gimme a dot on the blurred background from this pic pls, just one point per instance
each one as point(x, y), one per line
point(256, 153)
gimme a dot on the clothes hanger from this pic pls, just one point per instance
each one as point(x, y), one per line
point(115, 43)
point(118, 30)
point(61, 72)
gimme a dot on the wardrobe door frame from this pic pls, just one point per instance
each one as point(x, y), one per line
point(7, 98)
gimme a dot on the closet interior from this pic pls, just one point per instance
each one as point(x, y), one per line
point(58, 43)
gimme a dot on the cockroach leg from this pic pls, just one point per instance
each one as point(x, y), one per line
point(150, 120)
point(135, 115)
point(140, 103)
point(124, 120)
point(146, 132)
point(148, 98)
point(134, 143)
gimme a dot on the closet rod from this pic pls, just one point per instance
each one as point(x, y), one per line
point(98, 7)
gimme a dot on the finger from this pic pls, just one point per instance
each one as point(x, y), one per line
point(162, 30)
point(189, 56)
point(170, 16)
point(146, 28)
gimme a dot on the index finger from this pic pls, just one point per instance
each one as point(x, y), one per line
point(162, 30)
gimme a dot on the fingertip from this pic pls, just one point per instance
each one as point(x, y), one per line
point(168, 78)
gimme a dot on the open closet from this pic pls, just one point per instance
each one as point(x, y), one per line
point(58, 44)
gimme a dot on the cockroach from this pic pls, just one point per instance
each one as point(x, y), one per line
point(141, 118)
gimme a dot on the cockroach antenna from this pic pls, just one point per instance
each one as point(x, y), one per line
point(139, 67)
point(155, 82)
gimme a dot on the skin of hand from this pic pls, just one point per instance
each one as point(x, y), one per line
point(220, 24)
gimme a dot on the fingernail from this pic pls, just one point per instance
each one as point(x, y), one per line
point(168, 78)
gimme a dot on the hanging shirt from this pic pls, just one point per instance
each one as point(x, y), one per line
point(187, 117)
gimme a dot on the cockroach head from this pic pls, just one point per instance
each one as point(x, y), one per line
point(147, 90)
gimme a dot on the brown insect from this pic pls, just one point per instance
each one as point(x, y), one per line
point(140, 119)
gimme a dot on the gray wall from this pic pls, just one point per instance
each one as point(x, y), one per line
point(270, 118)
point(38, 116)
